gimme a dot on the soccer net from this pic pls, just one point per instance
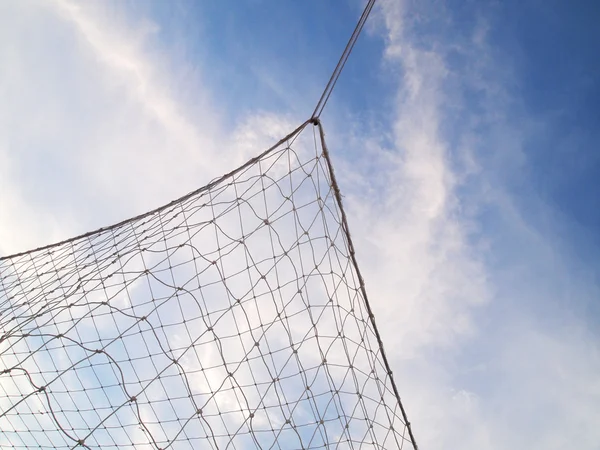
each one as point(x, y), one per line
point(232, 318)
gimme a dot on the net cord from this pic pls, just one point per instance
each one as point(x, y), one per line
point(346, 230)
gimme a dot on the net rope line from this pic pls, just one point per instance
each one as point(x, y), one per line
point(181, 199)
point(290, 358)
point(346, 228)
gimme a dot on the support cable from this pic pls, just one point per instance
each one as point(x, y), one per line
point(342, 62)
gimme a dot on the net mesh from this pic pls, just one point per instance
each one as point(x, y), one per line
point(230, 318)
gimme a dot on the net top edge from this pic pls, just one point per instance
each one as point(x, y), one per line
point(183, 198)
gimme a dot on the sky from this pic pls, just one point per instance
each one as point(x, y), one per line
point(464, 138)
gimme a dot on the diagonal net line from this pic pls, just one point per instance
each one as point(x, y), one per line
point(232, 318)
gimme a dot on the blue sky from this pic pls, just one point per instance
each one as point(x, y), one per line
point(464, 135)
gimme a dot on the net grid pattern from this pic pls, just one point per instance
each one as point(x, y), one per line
point(231, 318)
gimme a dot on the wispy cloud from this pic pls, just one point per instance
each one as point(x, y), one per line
point(91, 93)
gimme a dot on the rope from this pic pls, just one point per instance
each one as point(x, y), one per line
point(248, 163)
point(346, 230)
point(342, 62)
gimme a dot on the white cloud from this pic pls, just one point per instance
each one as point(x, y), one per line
point(88, 103)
